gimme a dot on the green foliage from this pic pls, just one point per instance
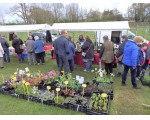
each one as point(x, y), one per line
point(98, 103)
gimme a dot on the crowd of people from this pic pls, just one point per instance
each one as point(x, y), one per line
point(132, 54)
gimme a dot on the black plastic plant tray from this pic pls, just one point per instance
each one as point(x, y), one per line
point(77, 107)
point(93, 112)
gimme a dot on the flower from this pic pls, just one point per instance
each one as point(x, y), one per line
point(84, 85)
point(66, 82)
point(95, 69)
point(104, 95)
point(92, 70)
point(23, 81)
point(48, 87)
point(28, 74)
point(57, 89)
point(27, 83)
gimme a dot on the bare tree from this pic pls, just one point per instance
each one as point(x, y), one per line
point(58, 10)
point(22, 11)
point(39, 15)
point(140, 12)
point(2, 18)
point(72, 12)
point(93, 15)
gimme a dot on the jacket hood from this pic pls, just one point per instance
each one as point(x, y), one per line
point(130, 43)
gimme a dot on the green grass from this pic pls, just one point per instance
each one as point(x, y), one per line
point(127, 101)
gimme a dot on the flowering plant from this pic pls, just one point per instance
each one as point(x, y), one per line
point(100, 76)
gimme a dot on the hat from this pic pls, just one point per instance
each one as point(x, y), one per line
point(138, 39)
point(36, 37)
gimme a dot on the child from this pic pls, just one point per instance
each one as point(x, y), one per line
point(141, 58)
point(1, 56)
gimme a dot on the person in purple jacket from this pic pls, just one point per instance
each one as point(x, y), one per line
point(130, 56)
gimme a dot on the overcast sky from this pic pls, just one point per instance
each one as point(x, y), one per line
point(95, 4)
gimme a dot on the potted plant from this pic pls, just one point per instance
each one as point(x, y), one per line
point(99, 104)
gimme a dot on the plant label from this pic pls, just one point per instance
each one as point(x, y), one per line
point(101, 74)
point(80, 79)
point(27, 69)
point(20, 72)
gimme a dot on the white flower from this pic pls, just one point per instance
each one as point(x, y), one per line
point(95, 69)
point(92, 70)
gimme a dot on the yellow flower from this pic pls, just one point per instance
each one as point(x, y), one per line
point(23, 81)
point(84, 85)
point(66, 82)
point(48, 87)
point(57, 89)
point(15, 73)
point(62, 72)
point(27, 83)
point(14, 78)
point(28, 74)
point(104, 95)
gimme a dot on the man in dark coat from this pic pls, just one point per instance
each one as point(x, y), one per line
point(16, 44)
point(61, 48)
point(5, 46)
point(120, 53)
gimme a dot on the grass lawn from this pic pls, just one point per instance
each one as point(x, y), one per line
point(127, 101)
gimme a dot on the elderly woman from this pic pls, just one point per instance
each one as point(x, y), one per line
point(107, 54)
point(39, 50)
point(88, 48)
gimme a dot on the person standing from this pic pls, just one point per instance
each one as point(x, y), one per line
point(71, 54)
point(107, 54)
point(62, 49)
point(81, 40)
point(145, 65)
point(88, 48)
point(130, 57)
point(1, 56)
point(30, 49)
point(120, 54)
point(17, 43)
point(5, 46)
point(39, 50)
point(141, 58)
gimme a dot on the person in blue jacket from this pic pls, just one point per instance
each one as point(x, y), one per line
point(62, 49)
point(39, 50)
point(130, 56)
point(71, 54)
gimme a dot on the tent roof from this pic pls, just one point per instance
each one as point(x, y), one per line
point(24, 28)
point(92, 26)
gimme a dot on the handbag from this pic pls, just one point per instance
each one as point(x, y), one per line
point(120, 58)
point(22, 46)
point(84, 53)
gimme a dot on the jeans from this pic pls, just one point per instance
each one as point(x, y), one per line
point(40, 56)
point(133, 75)
point(144, 68)
point(6, 56)
point(71, 65)
point(31, 58)
point(108, 68)
point(120, 68)
point(88, 64)
point(63, 62)
point(20, 58)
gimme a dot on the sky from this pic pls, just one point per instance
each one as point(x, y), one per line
point(95, 4)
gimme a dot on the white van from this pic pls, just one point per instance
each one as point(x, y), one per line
point(114, 36)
